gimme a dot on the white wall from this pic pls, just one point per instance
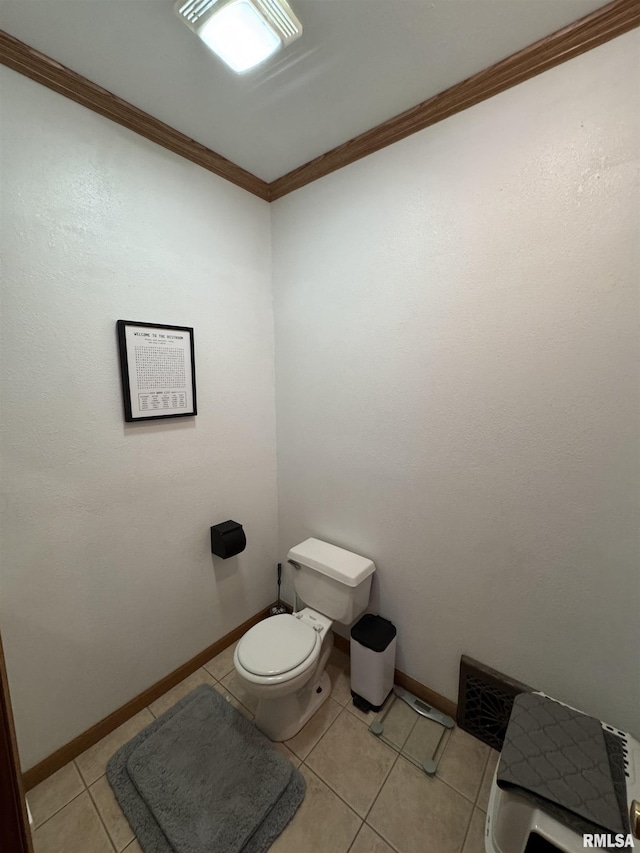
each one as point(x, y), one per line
point(107, 582)
point(457, 388)
point(457, 382)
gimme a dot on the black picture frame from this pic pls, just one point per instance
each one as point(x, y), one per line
point(138, 360)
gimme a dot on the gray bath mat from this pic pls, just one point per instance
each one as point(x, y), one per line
point(203, 779)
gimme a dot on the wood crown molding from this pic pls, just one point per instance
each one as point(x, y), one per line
point(600, 26)
point(604, 24)
point(26, 60)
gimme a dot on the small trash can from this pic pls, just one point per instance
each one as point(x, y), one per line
point(373, 657)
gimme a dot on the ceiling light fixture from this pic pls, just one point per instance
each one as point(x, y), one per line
point(243, 33)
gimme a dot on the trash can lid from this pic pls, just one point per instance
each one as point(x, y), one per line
point(373, 632)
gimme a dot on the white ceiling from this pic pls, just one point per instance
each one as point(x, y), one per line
point(358, 63)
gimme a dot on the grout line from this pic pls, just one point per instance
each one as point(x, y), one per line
point(484, 770)
point(449, 785)
point(35, 828)
point(195, 672)
point(104, 825)
point(82, 779)
point(350, 847)
point(93, 805)
point(384, 838)
point(484, 773)
point(472, 803)
point(342, 708)
point(459, 793)
point(375, 799)
point(326, 702)
point(308, 755)
point(333, 791)
point(213, 676)
point(81, 774)
point(87, 787)
point(350, 807)
point(322, 779)
point(411, 764)
point(344, 802)
point(231, 693)
point(466, 834)
point(303, 762)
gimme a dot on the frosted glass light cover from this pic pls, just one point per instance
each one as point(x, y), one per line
point(240, 36)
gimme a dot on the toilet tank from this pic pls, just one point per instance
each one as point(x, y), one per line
point(331, 580)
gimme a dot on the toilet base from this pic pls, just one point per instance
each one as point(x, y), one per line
point(282, 718)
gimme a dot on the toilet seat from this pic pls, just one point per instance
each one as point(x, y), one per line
point(277, 649)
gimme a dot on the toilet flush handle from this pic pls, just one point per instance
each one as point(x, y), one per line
point(295, 565)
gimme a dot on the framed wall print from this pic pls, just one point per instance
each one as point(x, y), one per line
point(158, 371)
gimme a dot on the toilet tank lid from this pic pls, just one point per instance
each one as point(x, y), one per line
point(343, 566)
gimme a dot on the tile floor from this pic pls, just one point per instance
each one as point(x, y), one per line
point(361, 796)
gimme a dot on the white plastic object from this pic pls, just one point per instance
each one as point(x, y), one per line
point(512, 817)
point(276, 645)
point(372, 672)
point(343, 566)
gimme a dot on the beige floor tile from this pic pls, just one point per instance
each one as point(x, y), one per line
point(366, 717)
point(50, 796)
point(352, 762)
point(235, 686)
point(368, 841)
point(293, 758)
point(222, 664)
point(416, 814)
point(463, 763)
point(474, 842)
point(485, 788)
point(92, 764)
point(115, 822)
point(399, 722)
point(308, 737)
point(322, 824)
point(340, 682)
point(427, 740)
point(75, 829)
point(134, 847)
point(339, 658)
point(200, 676)
point(233, 701)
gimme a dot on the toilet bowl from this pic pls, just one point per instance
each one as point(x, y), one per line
point(282, 660)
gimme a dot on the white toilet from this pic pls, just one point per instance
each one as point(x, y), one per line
point(282, 659)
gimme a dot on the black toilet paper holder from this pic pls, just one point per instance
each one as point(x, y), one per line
point(227, 539)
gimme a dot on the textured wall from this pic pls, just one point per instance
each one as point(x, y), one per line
point(107, 581)
point(458, 395)
point(457, 382)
